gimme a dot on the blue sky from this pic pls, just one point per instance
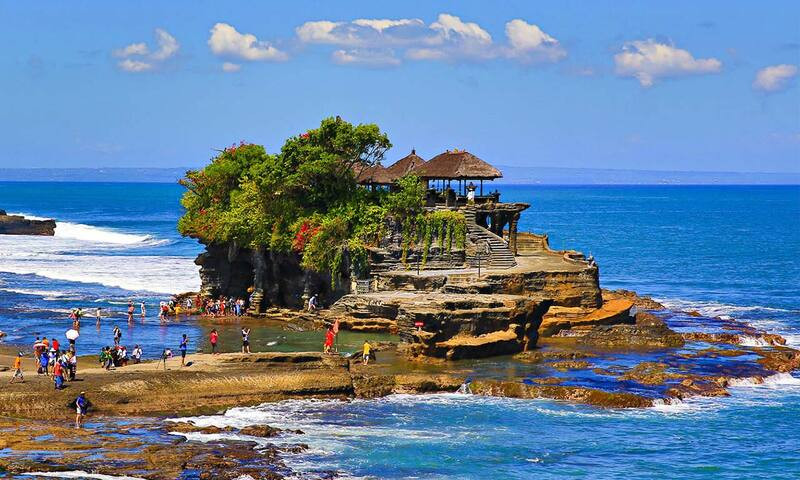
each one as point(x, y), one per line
point(617, 84)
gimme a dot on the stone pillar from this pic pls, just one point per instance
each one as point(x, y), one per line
point(512, 233)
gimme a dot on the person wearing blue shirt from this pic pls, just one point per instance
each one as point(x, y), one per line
point(184, 346)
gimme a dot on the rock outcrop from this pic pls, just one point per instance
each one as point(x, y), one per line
point(19, 225)
point(612, 312)
point(451, 326)
point(277, 278)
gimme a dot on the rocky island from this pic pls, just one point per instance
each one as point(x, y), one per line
point(417, 252)
point(19, 225)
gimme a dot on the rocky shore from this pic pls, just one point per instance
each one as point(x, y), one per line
point(19, 225)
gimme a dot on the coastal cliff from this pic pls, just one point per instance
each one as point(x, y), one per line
point(19, 225)
point(276, 278)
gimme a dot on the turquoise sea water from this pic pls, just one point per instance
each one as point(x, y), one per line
point(724, 251)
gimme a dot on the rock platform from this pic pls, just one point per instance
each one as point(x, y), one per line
point(449, 325)
point(19, 225)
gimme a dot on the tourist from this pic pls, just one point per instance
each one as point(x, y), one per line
point(122, 356)
point(183, 347)
point(55, 344)
point(143, 310)
point(245, 340)
point(106, 360)
point(51, 359)
point(130, 311)
point(213, 337)
point(43, 360)
point(366, 352)
point(73, 365)
point(329, 336)
point(117, 334)
point(17, 370)
point(136, 354)
point(313, 303)
point(58, 378)
point(81, 408)
point(46, 343)
point(97, 316)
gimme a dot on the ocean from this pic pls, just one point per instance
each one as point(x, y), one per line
point(730, 251)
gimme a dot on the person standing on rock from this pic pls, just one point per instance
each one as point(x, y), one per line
point(183, 347)
point(366, 352)
point(81, 407)
point(17, 370)
point(245, 340)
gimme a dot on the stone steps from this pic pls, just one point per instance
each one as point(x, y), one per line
point(499, 255)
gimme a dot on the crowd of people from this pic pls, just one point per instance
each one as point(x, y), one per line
point(221, 306)
point(52, 361)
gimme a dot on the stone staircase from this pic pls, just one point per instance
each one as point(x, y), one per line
point(500, 255)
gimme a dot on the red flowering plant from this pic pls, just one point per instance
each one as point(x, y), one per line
point(307, 231)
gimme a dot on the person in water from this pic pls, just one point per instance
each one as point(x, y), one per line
point(81, 408)
point(213, 337)
point(329, 336)
point(366, 352)
point(130, 311)
point(17, 370)
point(245, 340)
point(143, 309)
point(117, 335)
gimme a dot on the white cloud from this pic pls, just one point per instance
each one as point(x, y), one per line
point(528, 42)
point(448, 38)
point(774, 78)
point(648, 60)
point(374, 58)
point(129, 65)
point(385, 23)
point(167, 48)
point(231, 67)
point(452, 28)
point(225, 41)
point(167, 45)
point(132, 49)
point(362, 32)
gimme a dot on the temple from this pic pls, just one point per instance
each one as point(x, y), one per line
point(455, 181)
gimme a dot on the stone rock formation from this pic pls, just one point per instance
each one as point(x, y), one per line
point(19, 225)
point(450, 325)
point(276, 278)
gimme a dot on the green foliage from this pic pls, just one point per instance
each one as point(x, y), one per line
point(446, 227)
point(305, 199)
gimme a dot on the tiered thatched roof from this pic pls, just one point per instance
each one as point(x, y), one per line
point(403, 166)
point(374, 175)
point(455, 165)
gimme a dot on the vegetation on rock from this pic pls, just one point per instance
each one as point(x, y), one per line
point(305, 199)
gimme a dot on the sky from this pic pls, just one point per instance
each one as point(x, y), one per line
point(692, 86)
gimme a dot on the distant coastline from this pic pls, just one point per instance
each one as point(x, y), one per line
point(512, 175)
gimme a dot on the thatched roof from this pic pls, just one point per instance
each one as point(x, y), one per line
point(403, 166)
point(457, 164)
point(374, 175)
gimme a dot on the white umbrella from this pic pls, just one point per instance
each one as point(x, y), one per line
point(72, 334)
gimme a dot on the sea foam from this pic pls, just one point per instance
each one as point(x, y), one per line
point(89, 254)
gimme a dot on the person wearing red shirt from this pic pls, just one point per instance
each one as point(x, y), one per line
point(213, 338)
